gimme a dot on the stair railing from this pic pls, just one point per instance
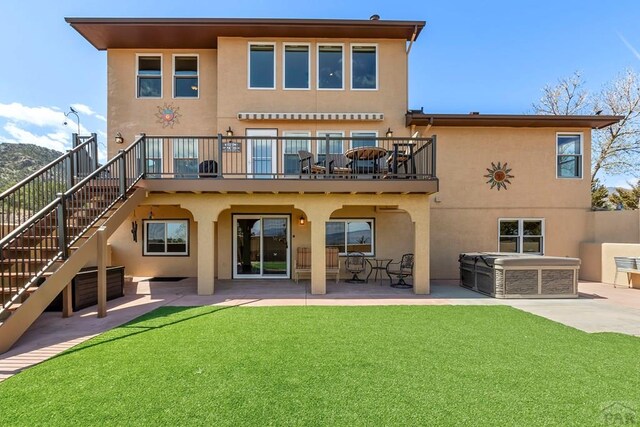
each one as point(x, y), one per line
point(24, 199)
point(31, 249)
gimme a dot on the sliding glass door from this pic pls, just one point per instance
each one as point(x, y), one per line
point(261, 246)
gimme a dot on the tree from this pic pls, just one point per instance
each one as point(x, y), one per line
point(615, 149)
point(626, 198)
point(599, 195)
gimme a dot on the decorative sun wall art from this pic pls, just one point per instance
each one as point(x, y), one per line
point(498, 175)
point(168, 115)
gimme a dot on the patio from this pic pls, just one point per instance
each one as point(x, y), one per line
point(600, 308)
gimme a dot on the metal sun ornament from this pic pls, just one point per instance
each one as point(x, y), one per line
point(168, 115)
point(498, 175)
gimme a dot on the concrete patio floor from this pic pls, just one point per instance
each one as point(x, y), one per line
point(600, 308)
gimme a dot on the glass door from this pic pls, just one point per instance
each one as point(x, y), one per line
point(262, 151)
point(261, 246)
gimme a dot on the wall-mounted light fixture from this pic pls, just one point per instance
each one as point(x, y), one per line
point(151, 212)
point(303, 220)
point(118, 138)
point(389, 133)
point(229, 131)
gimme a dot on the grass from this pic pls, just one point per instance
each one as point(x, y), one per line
point(405, 365)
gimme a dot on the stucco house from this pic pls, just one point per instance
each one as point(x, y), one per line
point(251, 138)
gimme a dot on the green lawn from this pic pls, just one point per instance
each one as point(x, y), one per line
point(406, 365)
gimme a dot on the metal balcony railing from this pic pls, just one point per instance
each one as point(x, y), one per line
point(289, 157)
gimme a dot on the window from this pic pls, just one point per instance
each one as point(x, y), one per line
point(262, 66)
point(291, 147)
point(569, 156)
point(521, 236)
point(364, 67)
point(149, 77)
point(335, 145)
point(296, 66)
point(166, 237)
point(185, 157)
point(351, 235)
point(153, 148)
point(330, 67)
point(185, 76)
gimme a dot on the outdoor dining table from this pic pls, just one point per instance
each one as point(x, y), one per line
point(377, 264)
point(366, 153)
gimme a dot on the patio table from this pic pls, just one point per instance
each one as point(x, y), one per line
point(377, 264)
point(365, 153)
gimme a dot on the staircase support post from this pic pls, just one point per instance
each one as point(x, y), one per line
point(61, 223)
point(143, 156)
point(123, 174)
point(102, 272)
point(70, 169)
point(95, 151)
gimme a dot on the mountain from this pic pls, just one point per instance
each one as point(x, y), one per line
point(18, 161)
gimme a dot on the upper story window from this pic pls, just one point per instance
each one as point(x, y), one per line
point(364, 67)
point(185, 76)
point(262, 66)
point(521, 236)
point(330, 67)
point(296, 66)
point(149, 76)
point(569, 155)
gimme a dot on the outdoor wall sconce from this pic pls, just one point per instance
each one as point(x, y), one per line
point(229, 132)
point(389, 133)
point(151, 212)
point(303, 220)
point(119, 139)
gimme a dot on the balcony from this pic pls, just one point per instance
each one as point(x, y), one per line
point(288, 164)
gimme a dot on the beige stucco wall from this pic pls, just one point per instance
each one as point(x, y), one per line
point(130, 116)
point(393, 237)
point(124, 251)
point(465, 212)
point(234, 95)
point(598, 262)
point(615, 226)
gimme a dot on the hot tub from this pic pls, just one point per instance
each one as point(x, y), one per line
point(519, 276)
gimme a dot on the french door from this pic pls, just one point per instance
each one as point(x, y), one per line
point(261, 246)
point(262, 149)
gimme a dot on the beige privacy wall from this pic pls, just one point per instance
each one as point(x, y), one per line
point(465, 212)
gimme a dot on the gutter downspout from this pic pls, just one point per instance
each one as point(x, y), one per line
point(413, 38)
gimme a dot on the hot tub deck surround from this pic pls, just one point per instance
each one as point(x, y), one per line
point(600, 308)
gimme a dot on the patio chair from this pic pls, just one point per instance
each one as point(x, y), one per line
point(626, 265)
point(339, 164)
point(208, 169)
point(401, 269)
point(308, 164)
point(303, 262)
point(355, 265)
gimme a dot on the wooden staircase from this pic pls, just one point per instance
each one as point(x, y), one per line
point(40, 257)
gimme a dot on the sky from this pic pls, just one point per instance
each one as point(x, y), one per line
point(489, 56)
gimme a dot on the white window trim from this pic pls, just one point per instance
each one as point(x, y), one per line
point(159, 55)
point(322, 134)
point(351, 46)
point(173, 76)
point(581, 135)
point(319, 45)
point(521, 234)
point(345, 220)
point(164, 221)
point(375, 132)
point(294, 133)
point(275, 60)
point(284, 68)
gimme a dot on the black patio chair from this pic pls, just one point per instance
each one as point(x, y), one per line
point(308, 164)
point(355, 265)
point(208, 169)
point(401, 269)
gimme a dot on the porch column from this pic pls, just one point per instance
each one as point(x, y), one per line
point(318, 257)
point(206, 256)
point(419, 210)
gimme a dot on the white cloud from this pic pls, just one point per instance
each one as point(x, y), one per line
point(38, 116)
point(85, 109)
point(54, 140)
